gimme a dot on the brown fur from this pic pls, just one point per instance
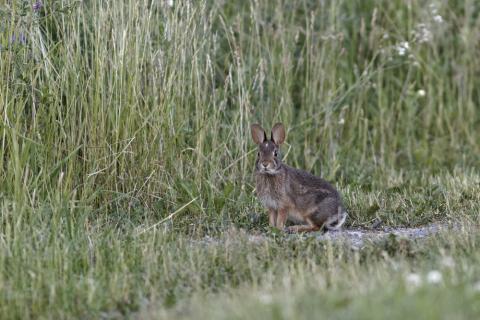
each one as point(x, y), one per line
point(290, 193)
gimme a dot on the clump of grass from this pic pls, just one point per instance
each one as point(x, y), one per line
point(115, 115)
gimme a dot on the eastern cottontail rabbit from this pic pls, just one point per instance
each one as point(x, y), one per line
point(291, 193)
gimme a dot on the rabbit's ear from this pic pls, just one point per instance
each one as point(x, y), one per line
point(258, 134)
point(278, 133)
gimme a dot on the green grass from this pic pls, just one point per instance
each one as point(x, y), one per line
point(344, 284)
point(115, 115)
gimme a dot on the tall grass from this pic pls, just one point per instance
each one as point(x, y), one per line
point(118, 103)
point(118, 113)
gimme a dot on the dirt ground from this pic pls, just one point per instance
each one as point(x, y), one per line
point(358, 237)
point(355, 237)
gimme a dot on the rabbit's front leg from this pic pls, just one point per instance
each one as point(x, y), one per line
point(272, 217)
point(282, 215)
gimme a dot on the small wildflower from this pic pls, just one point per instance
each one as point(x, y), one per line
point(402, 48)
point(170, 3)
point(341, 121)
point(438, 18)
point(421, 93)
point(422, 34)
point(385, 36)
point(434, 277)
point(413, 280)
point(37, 6)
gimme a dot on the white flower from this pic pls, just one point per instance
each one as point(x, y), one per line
point(434, 277)
point(421, 93)
point(386, 36)
point(170, 3)
point(341, 121)
point(402, 48)
point(422, 33)
point(413, 280)
point(438, 18)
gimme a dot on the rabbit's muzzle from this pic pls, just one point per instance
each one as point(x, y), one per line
point(267, 167)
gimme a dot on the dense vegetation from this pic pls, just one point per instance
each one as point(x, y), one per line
point(116, 114)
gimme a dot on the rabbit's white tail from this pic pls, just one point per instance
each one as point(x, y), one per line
point(335, 223)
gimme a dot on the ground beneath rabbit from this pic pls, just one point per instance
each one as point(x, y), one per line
point(358, 237)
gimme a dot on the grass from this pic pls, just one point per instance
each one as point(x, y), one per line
point(341, 283)
point(117, 114)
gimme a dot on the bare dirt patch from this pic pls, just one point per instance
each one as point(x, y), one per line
point(354, 237)
point(359, 237)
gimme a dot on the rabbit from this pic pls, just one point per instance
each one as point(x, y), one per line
point(290, 193)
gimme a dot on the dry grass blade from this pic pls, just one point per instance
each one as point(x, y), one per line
point(170, 216)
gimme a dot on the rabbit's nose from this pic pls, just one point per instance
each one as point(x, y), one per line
point(265, 164)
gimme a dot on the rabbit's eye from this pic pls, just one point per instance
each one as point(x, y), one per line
point(258, 154)
point(275, 153)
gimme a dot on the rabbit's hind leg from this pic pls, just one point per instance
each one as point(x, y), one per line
point(329, 214)
point(310, 227)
